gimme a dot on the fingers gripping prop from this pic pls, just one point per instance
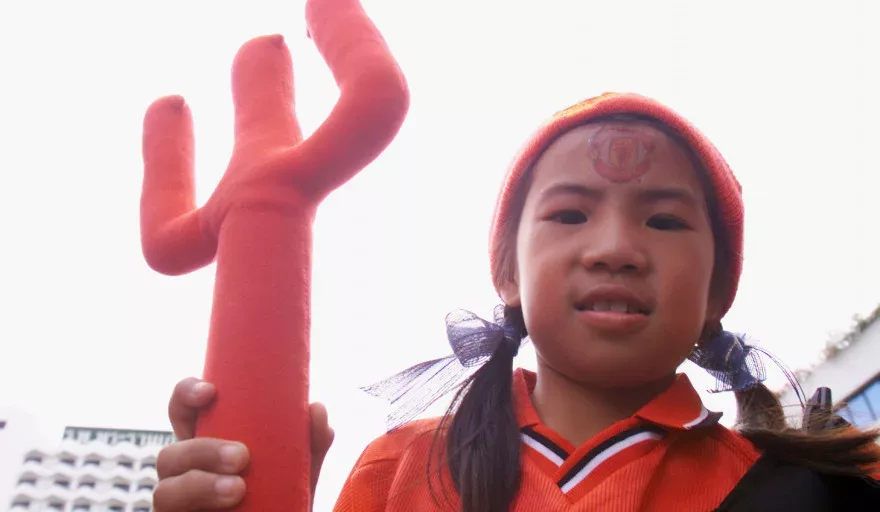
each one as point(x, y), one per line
point(257, 224)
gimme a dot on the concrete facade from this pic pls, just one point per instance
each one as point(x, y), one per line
point(88, 470)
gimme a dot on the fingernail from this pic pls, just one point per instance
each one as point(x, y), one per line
point(231, 455)
point(226, 485)
point(200, 388)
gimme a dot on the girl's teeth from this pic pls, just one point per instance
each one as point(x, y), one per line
point(617, 307)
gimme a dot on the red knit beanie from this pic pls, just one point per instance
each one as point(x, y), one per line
point(726, 189)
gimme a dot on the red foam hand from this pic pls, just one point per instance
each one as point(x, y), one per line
point(258, 226)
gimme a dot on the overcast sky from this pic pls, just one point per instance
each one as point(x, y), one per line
point(787, 90)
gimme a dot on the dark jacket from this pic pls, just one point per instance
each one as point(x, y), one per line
point(774, 486)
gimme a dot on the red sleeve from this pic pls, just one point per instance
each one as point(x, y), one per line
point(367, 487)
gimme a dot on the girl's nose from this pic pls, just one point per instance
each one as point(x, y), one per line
point(613, 247)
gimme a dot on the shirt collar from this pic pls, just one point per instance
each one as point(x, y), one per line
point(679, 407)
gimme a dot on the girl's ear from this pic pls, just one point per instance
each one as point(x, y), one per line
point(711, 329)
point(715, 304)
point(509, 292)
point(715, 310)
point(712, 322)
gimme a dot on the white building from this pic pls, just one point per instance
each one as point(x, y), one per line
point(851, 369)
point(89, 470)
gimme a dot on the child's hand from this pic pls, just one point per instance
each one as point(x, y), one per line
point(203, 473)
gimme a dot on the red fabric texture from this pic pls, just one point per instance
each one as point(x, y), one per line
point(726, 188)
point(258, 226)
point(391, 475)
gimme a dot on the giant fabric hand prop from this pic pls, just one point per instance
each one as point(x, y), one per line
point(258, 224)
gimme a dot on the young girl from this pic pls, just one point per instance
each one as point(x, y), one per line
point(617, 249)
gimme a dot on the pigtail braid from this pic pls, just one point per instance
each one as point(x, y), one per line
point(482, 436)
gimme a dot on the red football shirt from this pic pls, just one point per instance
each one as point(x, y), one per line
point(671, 455)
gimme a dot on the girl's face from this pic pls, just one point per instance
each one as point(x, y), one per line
point(614, 255)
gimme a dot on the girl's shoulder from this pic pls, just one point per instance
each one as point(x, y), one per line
point(417, 435)
point(393, 463)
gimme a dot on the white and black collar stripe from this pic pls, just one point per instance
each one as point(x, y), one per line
point(604, 451)
point(552, 451)
point(706, 418)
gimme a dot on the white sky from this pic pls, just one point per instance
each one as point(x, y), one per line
point(788, 90)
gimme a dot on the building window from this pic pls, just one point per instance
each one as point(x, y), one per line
point(2, 424)
point(115, 508)
point(863, 408)
point(56, 505)
point(872, 395)
point(61, 482)
point(81, 508)
point(28, 480)
point(25, 504)
point(87, 484)
point(121, 486)
point(860, 410)
point(126, 464)
point(142, 509)
point(145, 487)
point(68, 461)
point(148, 465)
point(91, 462)
point(33, 458)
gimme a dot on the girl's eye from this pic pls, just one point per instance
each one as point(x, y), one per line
point(569, 217)
point(666, 223)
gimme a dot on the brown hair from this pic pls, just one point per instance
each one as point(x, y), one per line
point(482, 437)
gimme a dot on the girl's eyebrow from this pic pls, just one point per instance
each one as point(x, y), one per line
point(558, 189)
point(682, 195)
point(650, 195)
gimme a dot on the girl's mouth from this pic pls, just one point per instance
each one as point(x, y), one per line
point(616, 306)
